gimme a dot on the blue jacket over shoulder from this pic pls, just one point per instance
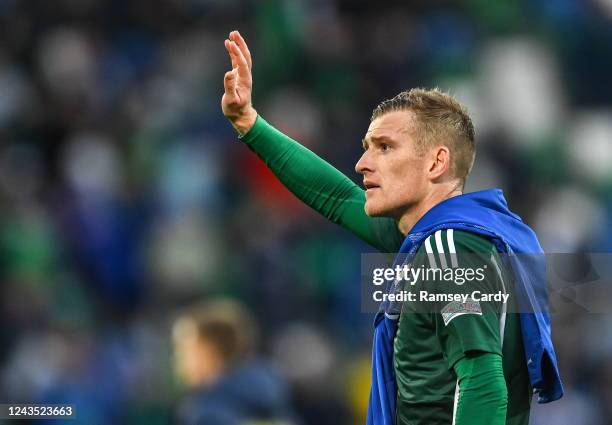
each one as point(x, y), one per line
point(485, 213)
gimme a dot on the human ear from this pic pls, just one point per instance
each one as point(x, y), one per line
point(440, 162)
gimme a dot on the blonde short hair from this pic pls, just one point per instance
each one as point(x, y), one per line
point(439, 119)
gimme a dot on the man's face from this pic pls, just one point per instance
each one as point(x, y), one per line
point(394, 174)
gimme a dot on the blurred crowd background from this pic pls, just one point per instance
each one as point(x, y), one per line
point(125, 196)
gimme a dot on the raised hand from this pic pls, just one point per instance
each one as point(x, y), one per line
point(238, 84)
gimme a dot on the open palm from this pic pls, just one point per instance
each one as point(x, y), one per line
point(238, 85)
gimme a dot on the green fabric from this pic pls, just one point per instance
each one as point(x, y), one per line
point(427, 351)
point(434, 337)
point(482, 396)
point(321, 186)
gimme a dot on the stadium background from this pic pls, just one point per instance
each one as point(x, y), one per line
point(124, 195)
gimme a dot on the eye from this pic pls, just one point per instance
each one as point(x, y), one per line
point(384, 147)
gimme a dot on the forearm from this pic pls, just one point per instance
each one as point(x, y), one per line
point(483, 396)
point(319, 185)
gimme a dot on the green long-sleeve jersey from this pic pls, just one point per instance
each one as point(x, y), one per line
point(454, 357)
point(483, 384)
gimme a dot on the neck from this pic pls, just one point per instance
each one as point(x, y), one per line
point(414, 213)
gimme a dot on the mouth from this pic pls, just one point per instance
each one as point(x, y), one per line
point(369, 185)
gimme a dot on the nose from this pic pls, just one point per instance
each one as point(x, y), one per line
point(364, 164)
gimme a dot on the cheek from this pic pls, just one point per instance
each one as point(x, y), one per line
point(184, 355)
point(406, 176)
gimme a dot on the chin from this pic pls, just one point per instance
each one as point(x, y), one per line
point(373, 210)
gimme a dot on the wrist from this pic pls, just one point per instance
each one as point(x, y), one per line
point(245, 121)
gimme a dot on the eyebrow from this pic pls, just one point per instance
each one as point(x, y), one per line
point(376, 139)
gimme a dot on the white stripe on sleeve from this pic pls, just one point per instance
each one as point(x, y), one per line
point(450, 238)
point(430, 254)
point(502, 317)
point(440, 247)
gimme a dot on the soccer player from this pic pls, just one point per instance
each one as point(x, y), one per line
point(458, 362)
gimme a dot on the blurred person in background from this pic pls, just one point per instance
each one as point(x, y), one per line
point(468, 363)
point(214, 357)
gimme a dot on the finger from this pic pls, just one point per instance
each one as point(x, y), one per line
point(231, 54)
point(243, 67)
point(229, 83)
point(239, 40)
